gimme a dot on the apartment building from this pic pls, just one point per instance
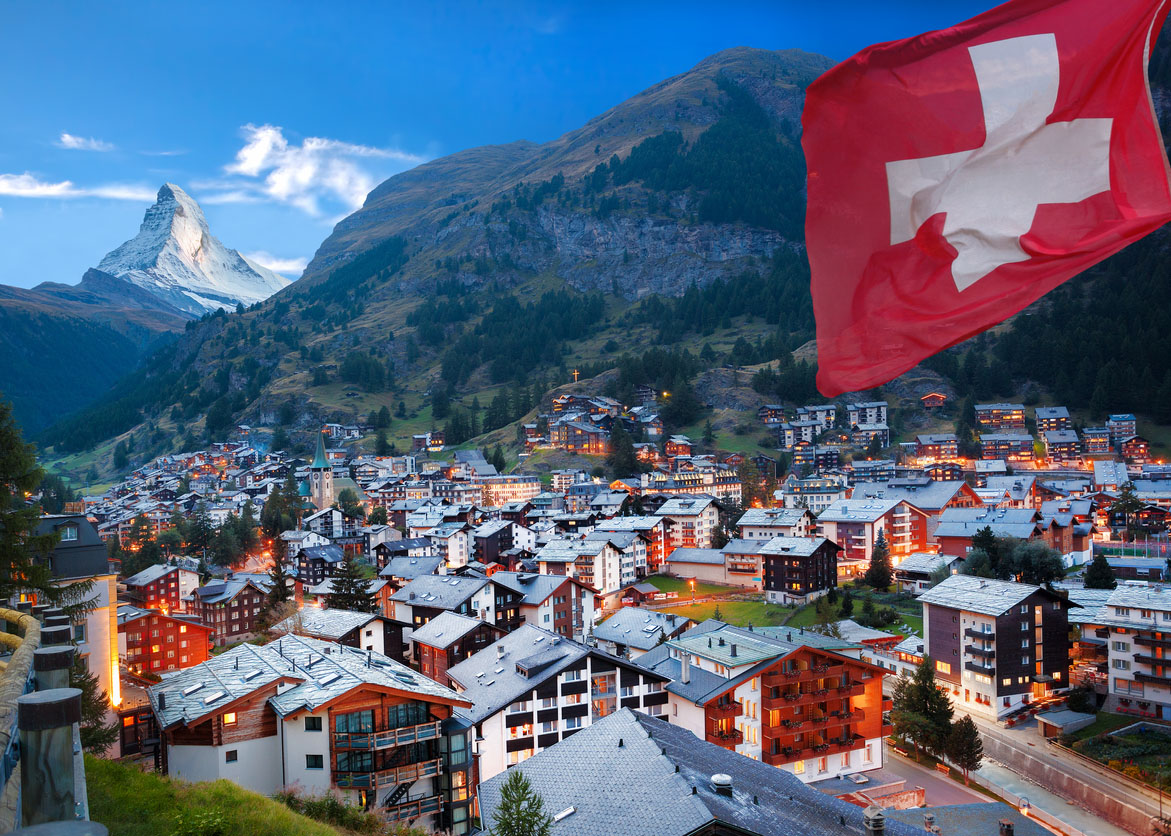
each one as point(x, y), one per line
point(323, 716)
point(534, 688)
point(867, 412)
point(766, 523)
point(855, 524)
point(692, 521)
point(1138, 618)
point(230, 608)
point(162, 587)
point(153, 642)
point(997, 645)
point(1000, 417)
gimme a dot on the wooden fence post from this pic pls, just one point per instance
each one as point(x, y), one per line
point(52, 666)
point(46, 721)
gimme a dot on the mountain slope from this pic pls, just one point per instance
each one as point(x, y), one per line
point(175, 257)
point(62, 346)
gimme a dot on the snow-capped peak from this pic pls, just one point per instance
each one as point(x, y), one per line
point(175, 256)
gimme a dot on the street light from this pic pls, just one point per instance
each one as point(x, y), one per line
point(691, 583)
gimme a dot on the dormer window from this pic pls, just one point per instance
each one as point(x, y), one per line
point(68, 532)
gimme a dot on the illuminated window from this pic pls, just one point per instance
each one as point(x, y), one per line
point(230, 718)
point(943, 667)
point(799, 768)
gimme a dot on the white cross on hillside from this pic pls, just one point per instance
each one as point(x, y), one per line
point(991, 194)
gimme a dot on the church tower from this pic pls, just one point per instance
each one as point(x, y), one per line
point(321, 477)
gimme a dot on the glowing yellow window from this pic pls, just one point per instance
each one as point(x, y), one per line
point(230, 718)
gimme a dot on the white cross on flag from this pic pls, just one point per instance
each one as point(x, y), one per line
point(956, 177)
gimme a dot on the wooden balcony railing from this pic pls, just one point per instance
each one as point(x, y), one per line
point(386, 738)
point(411, 809)
point(409, 773)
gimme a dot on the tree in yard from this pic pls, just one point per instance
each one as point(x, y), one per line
point(1032, 562)
point(200, 531)
point(225, 546)
point(521, 812)
point(96, 735)
point(24, 565)
point(964, 747)
point(847, 604)
point(716, 614)
point(921, 712)
point(879, 574)
point(349, 503)
point(1099, 575)
point(280, 591)
point(1127, 504)
point(940, 575)
point(622, 460)
point(351, 591)
point(377, 516)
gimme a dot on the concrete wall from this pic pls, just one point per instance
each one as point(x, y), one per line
point(257, 766)
point(298, 744)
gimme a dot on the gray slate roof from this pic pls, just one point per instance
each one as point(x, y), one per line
point(644, 787)
point(324, 624)
point(713, 556)
point(410, 568)
point(441, 592)
point(637, 627)
point(980, 595)
point(150, 574)
point(445, 629)
point(772, 516)
point(975, 819)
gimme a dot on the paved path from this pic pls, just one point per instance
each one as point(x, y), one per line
point(941, 790)
point(1054, 805)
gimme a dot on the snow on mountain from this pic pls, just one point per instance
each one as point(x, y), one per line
point(175, 257)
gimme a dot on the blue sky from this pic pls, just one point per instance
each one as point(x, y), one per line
point(278, 117)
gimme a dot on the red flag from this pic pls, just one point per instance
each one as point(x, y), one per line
point(958, 176)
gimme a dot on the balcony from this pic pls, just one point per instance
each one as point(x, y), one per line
point(1151, 678)
point(786, 755)
point(410, 809)
point(386, 738)
point(386, 777)
point(728, 738)
point(888, 705)
point(979, 634)
point(775, 679)
point(976, 667)
point(980, 651)
point(725, 711)
point(854, 689)
point(1147, 659)
point(1147, 641)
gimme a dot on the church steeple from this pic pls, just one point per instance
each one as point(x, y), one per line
point(321, 477)
point(319, 460)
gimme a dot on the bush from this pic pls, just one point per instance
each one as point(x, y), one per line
point(199, 823)
point(329, 809)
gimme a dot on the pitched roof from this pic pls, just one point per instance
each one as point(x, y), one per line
point(638, 628)
point(150, 574)
point(324, 624)
point(925, 562)
point(857, 510)
point(772, 517)
point(411, 567)
point(446, 629)
point(639, 776)
point(979, 595)
point(441, 592)
point(320, 462)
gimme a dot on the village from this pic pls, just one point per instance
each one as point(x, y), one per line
point(508, 611)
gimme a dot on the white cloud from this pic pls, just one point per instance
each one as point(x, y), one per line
point(303, 175)
point(287, 266)
point(177, 152)
point(26, 185)
point(81, 143)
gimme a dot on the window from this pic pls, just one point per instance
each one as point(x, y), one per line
point(572, 722)
point(1024, 608)
point(68, 533)
point(229, 718)
point(315, 762)
point(943, 667)
point(868, 755)
point(1121, 647)
point(654, 687)
point(520, 705)
point(516, 757)
point(845, 760)
point(1006, 681)
point(524, 730)
point(572, 676)
point(1024, 642)
point(312, 724)
point(1121, 664)
point(357, 722)
point(79, 633)
point(548, 702)
point(799, 768)
point(231, 756)
point(1024, 626)
point(574, 699)
point(548, 726)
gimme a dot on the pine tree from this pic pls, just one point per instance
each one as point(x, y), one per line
point(1099, 575)
point(377, 516)
point(621, 461)
point(1127, 504)
point(381, 445)
point(96, 735)
point(964, 747)
point(498, 461)
point(280, 591)
point(521, 812)
point(921, 712)
point(351, 591)
point(879, 574)
point(847, 604)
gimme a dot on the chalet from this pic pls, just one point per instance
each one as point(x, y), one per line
point(317, 563)
point(766, 523)
point(332, 523)
point(1121, 427)
point(152, 642)
point(1061, 445)
point(1009, 446)
point(1000, 417)
point(937, 446)
point(162, 587)
point(798, 570)
point(873, 470)
point(863, 435)
point(930, 497)
point(944, 471)
point(294, 541)
point(788, 702)
point(692, 521)
point(933, 401)
point(378, 589)
point(491, 539)
point(632, 631)
point(230, 608)
point(1053, 419)
point(1136, 450)
point(913, 574)
point(577, 437)
point(449, 639)
point(406, 547)
point(771, 415)
point(427, 596)
point(562, 605)
point(360, 630)
point(338, 720)
point(678, 445)
point(533, 688)
point(399, 571)
point(596, 563)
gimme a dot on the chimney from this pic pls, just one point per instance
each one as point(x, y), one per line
point(873, 821)
point(163, 707)
point(1005, 827)
point(722, 784)
point(733, 650)
point(929, 822)
point(685, 668)
point(499, 651)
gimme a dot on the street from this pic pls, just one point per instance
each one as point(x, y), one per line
point(940, 789)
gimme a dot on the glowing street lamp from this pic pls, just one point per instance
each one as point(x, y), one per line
point(691, 583)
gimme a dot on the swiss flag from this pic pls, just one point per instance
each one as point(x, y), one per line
point(957, 176)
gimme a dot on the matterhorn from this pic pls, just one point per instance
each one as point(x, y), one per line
point(175, 257)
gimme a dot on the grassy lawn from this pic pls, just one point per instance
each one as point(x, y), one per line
point(1105, 723)
point(134, 803)
point(909, 612)
point(738, 613)
point(680, 585)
